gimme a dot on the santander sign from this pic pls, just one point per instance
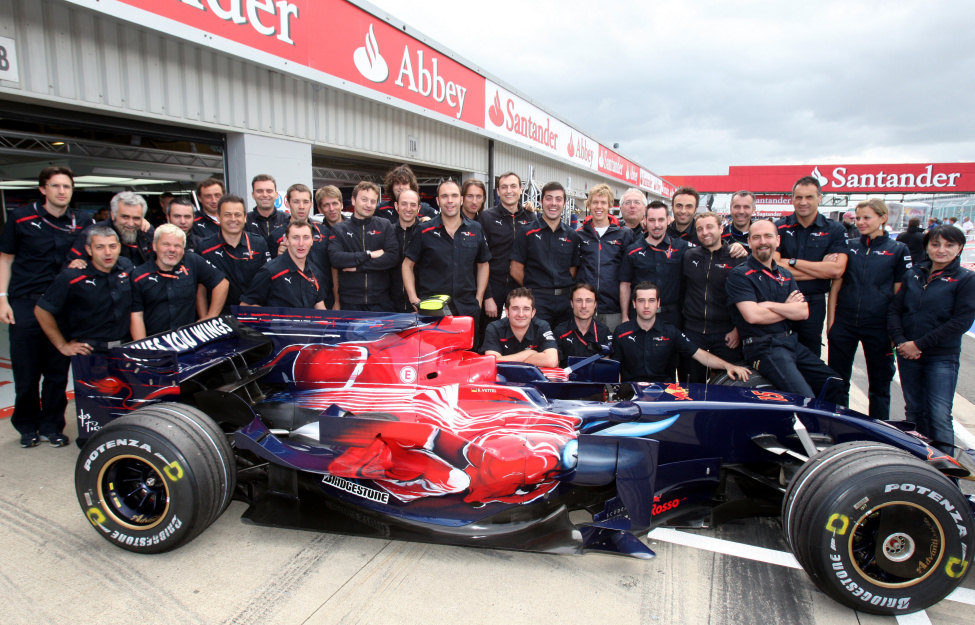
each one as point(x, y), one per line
point(891, 177)
point(522, 123)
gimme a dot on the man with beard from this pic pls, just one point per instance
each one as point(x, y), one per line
point(766, 301)
point(206, 223)
point(127, 212)
point(289, 280)
point(35, 243)
point(450, 256)
point(545, 258)
point(646, 345)
point(363, 250)
point(815, 250)
point(98, 296)
point(407, 228)
point(707, 317)
point(742, 209)
point(165, 289)
point(180, 214)
point(265, 218)
point(236, 253)
point(657, 259)
point(602, 247)
point(685, 203)
point(500, 224)
point(582, 335)
point(633, 210)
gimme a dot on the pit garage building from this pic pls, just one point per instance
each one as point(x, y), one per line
point(156, 95)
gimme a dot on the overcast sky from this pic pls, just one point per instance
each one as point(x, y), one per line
point(693, 86)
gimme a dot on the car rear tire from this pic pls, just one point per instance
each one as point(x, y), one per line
point(877, 529)
point(154, 480)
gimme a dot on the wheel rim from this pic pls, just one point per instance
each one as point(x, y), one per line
point(134, 493)
point(896, 544)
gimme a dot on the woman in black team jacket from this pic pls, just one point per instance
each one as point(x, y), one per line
point(858, 304)
point(927, 319)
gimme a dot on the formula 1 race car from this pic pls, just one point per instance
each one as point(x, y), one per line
point(386, 425)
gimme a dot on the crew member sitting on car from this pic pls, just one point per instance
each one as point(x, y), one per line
point(766, 300)
point(520, 337)
point(646, 347)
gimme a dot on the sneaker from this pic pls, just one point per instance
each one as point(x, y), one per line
point(29, 440)
point(56, 440)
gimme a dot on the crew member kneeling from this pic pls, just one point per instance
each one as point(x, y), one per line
point(646, 347)
point(289, 280)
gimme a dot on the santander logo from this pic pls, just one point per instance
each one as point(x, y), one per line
point(369, 61)
point(423, 79)
point(823, 180)
point(521, 124)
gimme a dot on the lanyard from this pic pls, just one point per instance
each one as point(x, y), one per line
point(311, 279)
point(247, 241)
point(74, 223)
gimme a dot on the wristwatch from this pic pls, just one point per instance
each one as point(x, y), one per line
point(792, 262)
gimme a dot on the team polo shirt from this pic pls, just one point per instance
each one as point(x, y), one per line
point(752, 281)
point(98, 303)
point(264, 226)
point(547, 254)
point(498, 337)
point(661, 265)
point(205, 226)
point(281, 283)
point(238, 263)
point(167, 299)
point(689, 235)
point(447, 265)
point(647, 355)
point(821, 238)
point(730, 235)
point(40, 243)
point(571, 342)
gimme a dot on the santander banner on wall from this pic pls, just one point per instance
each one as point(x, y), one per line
point(341, 44)
point(891, 178)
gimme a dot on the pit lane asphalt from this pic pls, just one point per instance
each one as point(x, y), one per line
point(55, 569)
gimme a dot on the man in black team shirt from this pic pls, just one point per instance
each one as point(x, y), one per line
point(164, 290)
point(98, 296)
point(407, 227)
point(500, 224)
point(289, 280)
point(128, 212)
point(206, 223)
point(180, 214)
point(35, 243)
point(633, 210)
point(520, 337)
point(265, 218)
point(766, 300)
point(582, 335)
point(646, 346)
point(814, 249)
point(236, 253)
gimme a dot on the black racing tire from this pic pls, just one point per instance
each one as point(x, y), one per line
point(213, 435)
point(150, 481)
point(877, 529)
point(755, 380)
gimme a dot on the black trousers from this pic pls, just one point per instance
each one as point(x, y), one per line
point(790, 366)
point(40, 375)
point(810, 330)
point(690, 370)
point(878, 351)
point(552, 308)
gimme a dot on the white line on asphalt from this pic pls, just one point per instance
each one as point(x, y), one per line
point(718, 545)
point(914, 618)
point(962, 595)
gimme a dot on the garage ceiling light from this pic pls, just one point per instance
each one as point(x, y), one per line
point(89, 182)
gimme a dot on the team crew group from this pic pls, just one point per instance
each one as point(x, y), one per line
point(662, 291)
